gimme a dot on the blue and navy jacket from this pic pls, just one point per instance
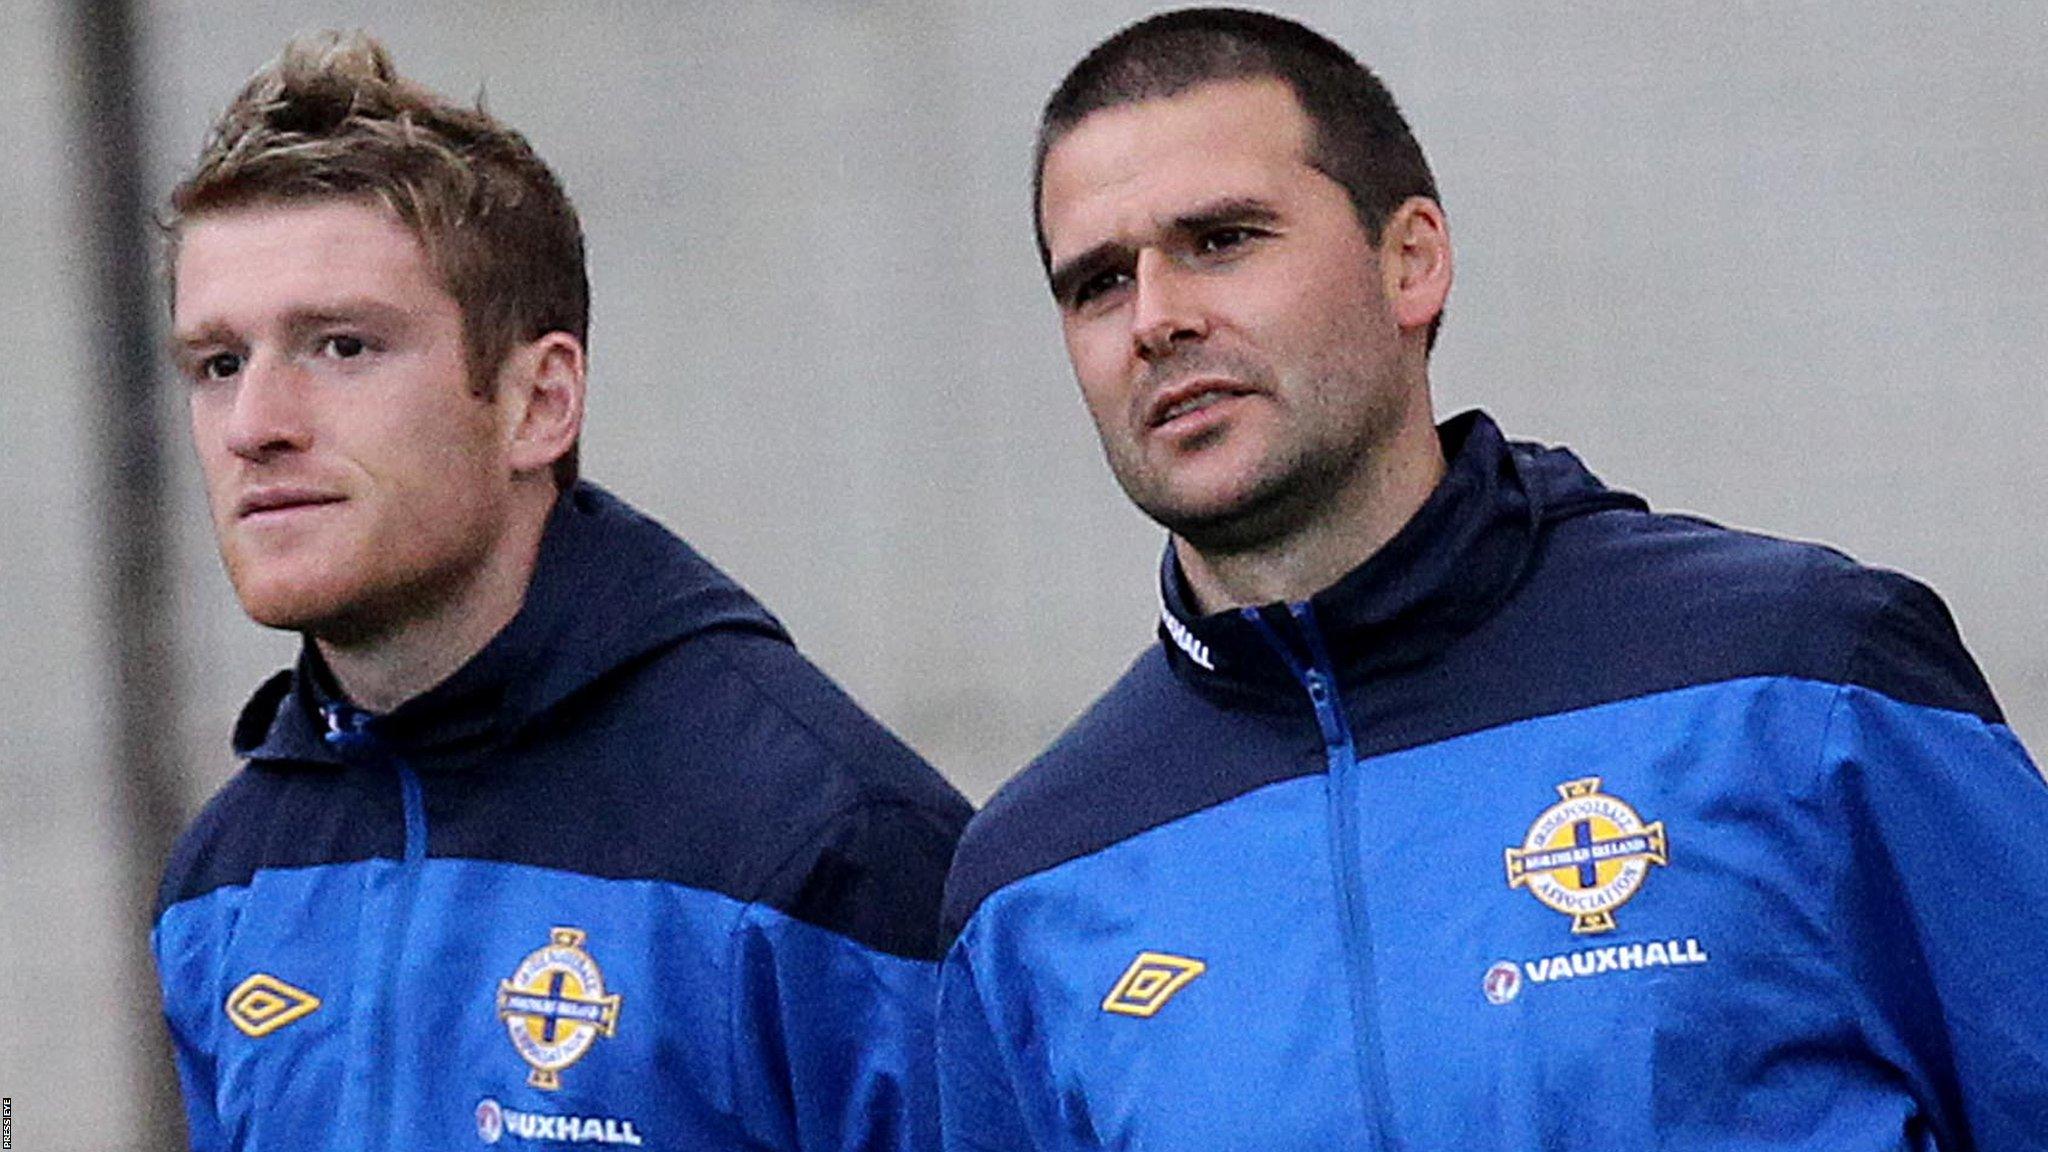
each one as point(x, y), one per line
point(638, 874)
point(1557, 824)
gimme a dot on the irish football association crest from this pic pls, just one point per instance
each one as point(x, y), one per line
point(555, 1007)
point(1587, 855)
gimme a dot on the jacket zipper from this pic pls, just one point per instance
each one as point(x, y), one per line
point(348, 732)
point(1318, 679)
point(383, 926)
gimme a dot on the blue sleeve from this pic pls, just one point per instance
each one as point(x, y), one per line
point(1945, 894)
point(181, 967)
point(832, 1041)
point(978, 1108)
point(835, 998)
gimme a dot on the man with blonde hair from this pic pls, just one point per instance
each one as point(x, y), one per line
point(550, 834)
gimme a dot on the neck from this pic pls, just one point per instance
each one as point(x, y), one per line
point(1340, 534)
point(380, 668)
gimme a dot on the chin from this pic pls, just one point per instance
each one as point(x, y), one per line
point(1224, 517)
point(1197, 520)
point(283, 596)
point(290, 611)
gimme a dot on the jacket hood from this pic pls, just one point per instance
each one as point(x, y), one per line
point(1446, 570)
point(609, 588)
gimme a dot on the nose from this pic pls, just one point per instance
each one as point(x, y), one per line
point(1168, 309)
point(268, 415)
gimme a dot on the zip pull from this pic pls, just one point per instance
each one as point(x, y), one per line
point(1321, 678)
point(1317, 677)
point(1329, 710)
point(348, 729)
point(1318, 688)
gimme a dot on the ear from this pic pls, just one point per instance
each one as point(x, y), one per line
point(1415, 261)
point(541, 386)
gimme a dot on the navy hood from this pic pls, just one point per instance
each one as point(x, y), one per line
point(1449, 568)
point(610, 588)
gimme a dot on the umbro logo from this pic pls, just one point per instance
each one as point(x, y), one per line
point(262, 1004)
point(1150, 981)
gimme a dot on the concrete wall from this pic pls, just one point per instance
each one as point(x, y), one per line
point(1779, 264)
point(78, 1017)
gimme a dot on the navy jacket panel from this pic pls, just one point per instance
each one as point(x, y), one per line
point(1630, 831)
point(568, 890)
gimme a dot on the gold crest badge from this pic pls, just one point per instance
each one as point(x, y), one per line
point(555, 1007)
point(1587, 855)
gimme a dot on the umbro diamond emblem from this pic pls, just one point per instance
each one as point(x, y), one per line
point(262, 1004)
point(1150, 981)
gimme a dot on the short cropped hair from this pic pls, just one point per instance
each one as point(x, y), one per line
point(1359, 139)
point(331, 119)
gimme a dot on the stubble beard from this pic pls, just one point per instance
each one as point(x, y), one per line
point(1296, 483)
point(368, 600)
point(1271, 508)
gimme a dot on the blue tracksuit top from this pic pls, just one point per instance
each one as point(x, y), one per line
point(637, 875)
point(1556, 825)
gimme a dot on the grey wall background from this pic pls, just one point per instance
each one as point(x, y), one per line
point(1778, 263)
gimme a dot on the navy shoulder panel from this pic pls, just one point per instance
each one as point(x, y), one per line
point(867, 754)
point(1622, 604)
point(877, 871)
point(728, 763)
point(1913, 653)
point(268, 816)
point(1148, 752)
point(875, 875)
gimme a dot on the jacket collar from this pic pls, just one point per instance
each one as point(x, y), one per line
point(1444, 572)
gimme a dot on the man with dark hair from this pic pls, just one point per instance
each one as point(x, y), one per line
point(1357, 136)
point(1465, 803)
point(550, 835)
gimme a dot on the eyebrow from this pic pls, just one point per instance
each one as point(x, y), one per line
point(181, 343)
point(338, 313)
point(1070, 274)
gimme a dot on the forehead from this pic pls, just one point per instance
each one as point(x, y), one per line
point(281, 257)
point(1135, 164)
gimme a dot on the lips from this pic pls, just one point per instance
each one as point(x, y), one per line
point(281, 499)
point(1190, 396)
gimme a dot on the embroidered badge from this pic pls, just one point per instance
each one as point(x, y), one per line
point(1587, 855)
point(555, 1007)
point(1150, 982)
point(262, 1004)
